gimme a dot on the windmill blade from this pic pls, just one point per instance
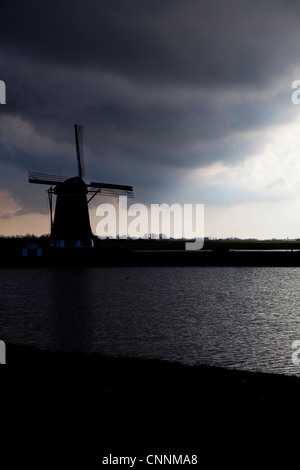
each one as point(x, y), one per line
point(43, 178)
point(110, 192)
point(79, 149)
point(107, 189)
point(123, 187)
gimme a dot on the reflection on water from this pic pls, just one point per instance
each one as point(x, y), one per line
point(236, 317)
point(69, 308)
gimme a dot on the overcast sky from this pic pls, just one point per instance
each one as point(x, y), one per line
point(189, 101)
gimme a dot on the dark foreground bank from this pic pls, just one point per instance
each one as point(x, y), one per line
point(68, 408)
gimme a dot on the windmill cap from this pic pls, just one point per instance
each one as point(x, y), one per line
point(74, 185)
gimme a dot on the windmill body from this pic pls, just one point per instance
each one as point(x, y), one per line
point(70, 226)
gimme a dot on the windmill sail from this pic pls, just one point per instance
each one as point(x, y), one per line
point(79, 149)
point(107, 189)
point(43, 178)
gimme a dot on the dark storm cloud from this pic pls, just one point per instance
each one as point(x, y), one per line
point(173, 41)
point(161, 86)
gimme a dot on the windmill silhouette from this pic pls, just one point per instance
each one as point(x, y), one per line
point(70, 225)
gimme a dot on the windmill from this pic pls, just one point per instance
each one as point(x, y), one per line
point(70, 225)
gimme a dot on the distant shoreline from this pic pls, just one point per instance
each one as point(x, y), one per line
point(36, 252)
point(94, 257)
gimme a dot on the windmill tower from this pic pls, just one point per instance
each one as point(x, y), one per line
point(70, 225)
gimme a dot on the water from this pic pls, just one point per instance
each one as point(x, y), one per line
point(244, 318)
